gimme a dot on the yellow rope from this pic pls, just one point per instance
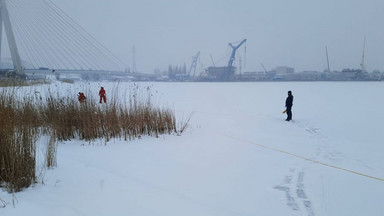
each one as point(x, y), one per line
point(307, 159)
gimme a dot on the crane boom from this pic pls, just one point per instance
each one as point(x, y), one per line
point(363, 59)
point(234, 49)
point(193, 65)
point(265, 70)
point(213, 62)
point(326, 52)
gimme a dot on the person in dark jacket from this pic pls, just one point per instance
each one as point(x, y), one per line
point(288, 105)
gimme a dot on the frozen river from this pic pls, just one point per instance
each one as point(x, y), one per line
point(238, 156)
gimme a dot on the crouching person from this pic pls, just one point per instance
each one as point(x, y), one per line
point(81, 97)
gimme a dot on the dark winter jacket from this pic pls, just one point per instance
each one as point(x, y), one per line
point(289, 101)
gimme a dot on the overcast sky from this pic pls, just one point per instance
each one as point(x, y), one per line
point(279, 32)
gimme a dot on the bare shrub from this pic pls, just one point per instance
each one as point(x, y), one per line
point(184, 124)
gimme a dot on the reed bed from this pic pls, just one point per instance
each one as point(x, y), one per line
point(18, 134)
point(24, 119)
point(9, 82)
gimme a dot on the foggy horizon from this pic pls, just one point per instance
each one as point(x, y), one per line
point(278, 33)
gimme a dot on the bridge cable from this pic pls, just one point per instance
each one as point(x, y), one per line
point(49, 37)
point(116, 59)
point(94, 42)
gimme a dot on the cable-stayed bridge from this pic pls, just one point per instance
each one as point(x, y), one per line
point(40, 35)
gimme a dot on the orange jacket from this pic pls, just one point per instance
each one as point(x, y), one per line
point(81, 97)
point(102, 92)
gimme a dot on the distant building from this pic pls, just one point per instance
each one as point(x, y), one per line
point(221, 73)
point(284, 70)
point(253, 76)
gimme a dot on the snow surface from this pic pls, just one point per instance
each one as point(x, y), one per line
point(217, 167)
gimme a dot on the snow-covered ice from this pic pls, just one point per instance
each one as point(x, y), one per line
point(238, 156)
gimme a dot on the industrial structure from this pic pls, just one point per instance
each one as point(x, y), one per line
point(362, 64)
point(227, 72)
point(193, 65)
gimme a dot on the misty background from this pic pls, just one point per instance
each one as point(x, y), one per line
point(279, 32)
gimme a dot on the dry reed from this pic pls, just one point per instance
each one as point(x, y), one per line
point(18, 134)
point(23, 120)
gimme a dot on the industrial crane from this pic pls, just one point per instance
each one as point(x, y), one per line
point(363, 58)
point(226, 72)
point(230, 69)
point(193, 65)
point(234, 48)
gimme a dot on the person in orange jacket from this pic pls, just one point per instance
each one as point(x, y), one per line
point(102, 95)
point(81, 97)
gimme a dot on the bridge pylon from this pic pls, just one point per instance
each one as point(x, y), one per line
point(4, 19)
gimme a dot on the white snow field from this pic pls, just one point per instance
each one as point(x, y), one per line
point(238, 156)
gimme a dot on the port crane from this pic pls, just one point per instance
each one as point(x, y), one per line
point(230, 69)
point(226, 72)
point(194, 63)
point(265, 70)
point(326, 53)
point(363, 59)
point(234, 49)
